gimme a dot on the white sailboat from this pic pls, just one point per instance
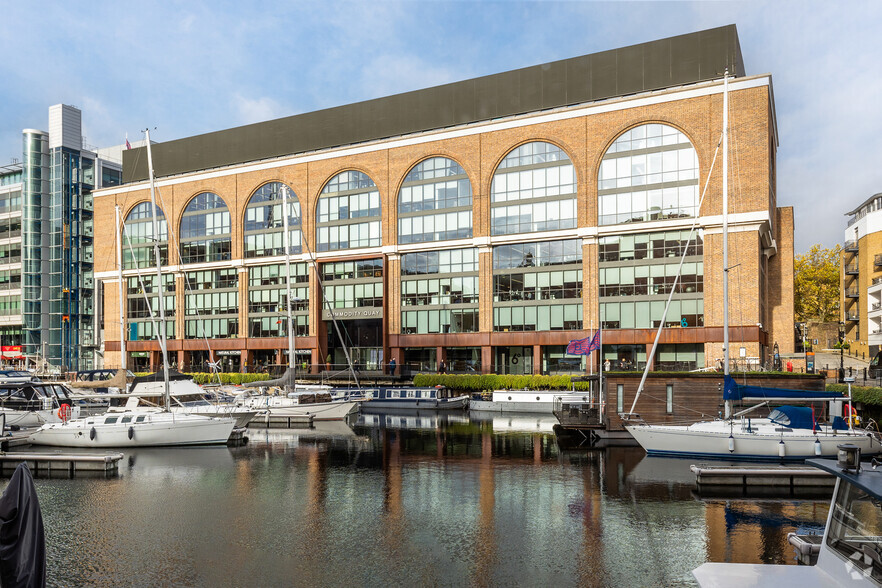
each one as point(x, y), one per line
point(787, 434)
point(310, 400)
point(140, 427)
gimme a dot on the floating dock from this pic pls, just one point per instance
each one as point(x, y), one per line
point(768, 476)
point(287, 422)
point(70, 463)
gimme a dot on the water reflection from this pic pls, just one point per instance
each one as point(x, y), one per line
point(428, 498)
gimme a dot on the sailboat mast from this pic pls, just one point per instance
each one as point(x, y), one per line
point(122, 301)
point(286, 241)
point(726, 232)
point(155, 222)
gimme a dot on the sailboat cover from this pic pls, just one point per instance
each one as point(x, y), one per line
point(22, 541)
point(732, 390)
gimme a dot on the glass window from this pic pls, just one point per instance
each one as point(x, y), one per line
point(649, 173)
point(348, 196)
point(138, 239)
point(432, 186)
point(205, 230)
point(533, 189)
point(264, 225)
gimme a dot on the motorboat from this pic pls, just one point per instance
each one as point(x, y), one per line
point(848, 554)
point(27, 402)
point(142, 427)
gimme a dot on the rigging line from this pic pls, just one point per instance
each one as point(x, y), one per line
point(170, 240)
point(141, 282)
point(661, 324)
point(327, 303)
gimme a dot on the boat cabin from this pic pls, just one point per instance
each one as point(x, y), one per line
point(28, 396)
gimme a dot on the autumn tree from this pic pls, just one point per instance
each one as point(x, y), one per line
point(816, 284)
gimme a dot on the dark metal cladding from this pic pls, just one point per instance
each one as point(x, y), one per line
point(685, 59)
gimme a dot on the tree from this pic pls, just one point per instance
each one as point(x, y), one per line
point(816, 284)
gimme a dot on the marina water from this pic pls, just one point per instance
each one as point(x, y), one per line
point(428, 499)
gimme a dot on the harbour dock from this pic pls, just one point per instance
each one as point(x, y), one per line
point(762, 476)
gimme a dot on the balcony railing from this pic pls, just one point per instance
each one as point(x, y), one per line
point(852, 293)
point(877, 260)
point(876, 306)
point(851, 316)
point(852, 269)
point(851, 246)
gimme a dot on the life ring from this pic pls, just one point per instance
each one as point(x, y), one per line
point(64, 412)
point(851, 416)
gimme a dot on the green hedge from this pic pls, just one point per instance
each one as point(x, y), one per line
point(865, 394)
point(225, 378)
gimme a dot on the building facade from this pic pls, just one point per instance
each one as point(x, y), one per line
point(47, 288)
point(473, 227)
point(861, 293)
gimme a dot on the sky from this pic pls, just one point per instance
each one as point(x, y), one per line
point(186, 68)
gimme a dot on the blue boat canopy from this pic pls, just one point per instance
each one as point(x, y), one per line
point(732, 390)
point(795, 417)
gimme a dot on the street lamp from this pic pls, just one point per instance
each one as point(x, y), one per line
point(841, 351)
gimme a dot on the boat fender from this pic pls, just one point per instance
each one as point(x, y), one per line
point(731, 443)
point(436, 404)
point(817, 446)
point(93, 433)
point(131, 433)
point(782, 449)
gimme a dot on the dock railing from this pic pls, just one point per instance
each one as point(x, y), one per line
point(579, 409)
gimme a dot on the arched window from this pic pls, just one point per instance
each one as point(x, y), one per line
point(264, 224)
point(649, 173)
point(137, 240)
point(348, 213)
point(205, 230)
point(435, 203)
point(533, 189)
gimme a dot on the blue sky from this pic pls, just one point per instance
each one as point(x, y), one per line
point(193, 67)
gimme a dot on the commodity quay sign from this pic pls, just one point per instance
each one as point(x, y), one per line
point(353, 314)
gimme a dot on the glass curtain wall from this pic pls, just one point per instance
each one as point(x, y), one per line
point(35, 225)
point(264, 224)
point(439, 292)
point(435, 203)
point(268, 302)
point(142, 311)
point(538, 286)
point(533, 189)
point(637, 273)
point(348, 213)
point(211, 304)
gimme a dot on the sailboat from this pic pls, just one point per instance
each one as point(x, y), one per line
point(140, 427)
point(788, 433)
point(311, 400)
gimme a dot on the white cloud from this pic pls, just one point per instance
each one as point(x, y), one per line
point(252, 110)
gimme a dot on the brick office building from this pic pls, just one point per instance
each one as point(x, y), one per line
point(483, 223)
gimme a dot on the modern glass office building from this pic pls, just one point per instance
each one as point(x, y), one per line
point(479, 226)
point(47, 287)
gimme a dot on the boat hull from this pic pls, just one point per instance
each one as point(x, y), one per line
point(693, 441)
point(381, 404)
point(320, 411)
point(158, 429)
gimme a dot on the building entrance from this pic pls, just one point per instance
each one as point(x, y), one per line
point(363, 338)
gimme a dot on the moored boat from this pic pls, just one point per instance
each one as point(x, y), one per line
point(850, 552)
point(135, 428)
point(437, 398)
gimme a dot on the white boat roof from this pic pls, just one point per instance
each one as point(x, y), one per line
point(735, 575)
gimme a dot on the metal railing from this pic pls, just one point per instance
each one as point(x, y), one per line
point(851, 246)
point(852, 269)
point(852, 293)
point(852, 316)
point(877, 259)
